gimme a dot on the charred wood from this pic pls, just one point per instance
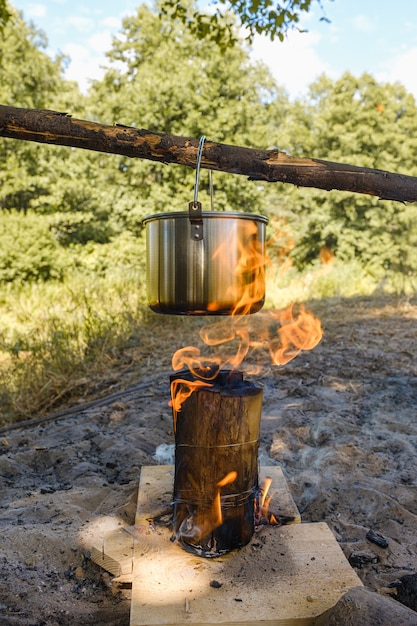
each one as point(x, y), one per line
point(216, 465)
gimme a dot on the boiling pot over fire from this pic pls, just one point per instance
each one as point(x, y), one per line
point(205, 262)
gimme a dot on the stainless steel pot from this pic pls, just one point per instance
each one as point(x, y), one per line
point(205, 263)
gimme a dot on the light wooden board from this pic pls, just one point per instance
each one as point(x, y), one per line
point(156, 489)
point(113, 549)
point(285, 576)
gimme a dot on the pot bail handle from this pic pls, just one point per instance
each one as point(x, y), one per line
point(194, 207)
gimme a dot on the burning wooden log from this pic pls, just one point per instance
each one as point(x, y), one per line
point(216, 463)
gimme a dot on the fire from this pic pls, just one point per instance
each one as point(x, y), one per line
point(264, 492)
point(295, 334)
point(180, 391)
point(252, 262)
point(217, 516)
point(262, 514)
point(281, 335)
point(201, 367)
point(247, 264)
point(200, 524)
point(238, 341)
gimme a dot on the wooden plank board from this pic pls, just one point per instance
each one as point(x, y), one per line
point(113, 549)
point(156, 489)
point(285, 576)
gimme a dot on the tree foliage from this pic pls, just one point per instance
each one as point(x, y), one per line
point(162, 77)
point(47, 179)
point(267, 17)
point(28, 250)
point(371, 124)
point(29, 77)
point(5, 14)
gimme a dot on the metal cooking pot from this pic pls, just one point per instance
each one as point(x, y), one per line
point(205, 263)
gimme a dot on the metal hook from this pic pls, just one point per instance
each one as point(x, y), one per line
point(194, 207)
point(197, 171)
point(211, 190)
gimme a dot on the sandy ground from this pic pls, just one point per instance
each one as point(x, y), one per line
point(340, 420)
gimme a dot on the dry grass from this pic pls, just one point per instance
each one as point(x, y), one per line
point(68, 343)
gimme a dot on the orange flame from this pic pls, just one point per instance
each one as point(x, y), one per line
point(201, 367)
point(280, 334)
point(202, 523)
point(265, 502)
point(217, 515)
point(181, 390)
point(262, 514)
point(252, 262)
point(295, 335)
point(264, 493)
point(248, 268)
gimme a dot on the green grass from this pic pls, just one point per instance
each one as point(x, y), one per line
point(319, 282)
point(68, 342)
point(60, 339)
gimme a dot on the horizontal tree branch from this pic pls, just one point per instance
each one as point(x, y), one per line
point(52, 127)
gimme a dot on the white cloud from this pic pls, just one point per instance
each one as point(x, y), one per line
point(84, 65)
point(87, 59)
point(112, 22)
point(100, 42)
point(36, 10)
point(293, 62)
point(399, 69)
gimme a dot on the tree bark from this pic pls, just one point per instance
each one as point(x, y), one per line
point(216, 464)
point(52, 127)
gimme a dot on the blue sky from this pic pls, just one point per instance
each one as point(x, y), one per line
point(376, 36)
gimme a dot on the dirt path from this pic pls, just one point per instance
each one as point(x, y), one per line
point(340, 420)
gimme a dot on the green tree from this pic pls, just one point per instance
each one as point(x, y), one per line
point(371, 124)
point(30, 78)
point(45, 178)
point(5, 14)
point(160, 77)
point(28, 250)
point(273, 19)
point(261, 16)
